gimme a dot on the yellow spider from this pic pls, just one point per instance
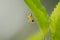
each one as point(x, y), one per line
point(30, 18)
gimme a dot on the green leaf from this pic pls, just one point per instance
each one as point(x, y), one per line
point(35, 36)
point(55, 23)
point(40, 15)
